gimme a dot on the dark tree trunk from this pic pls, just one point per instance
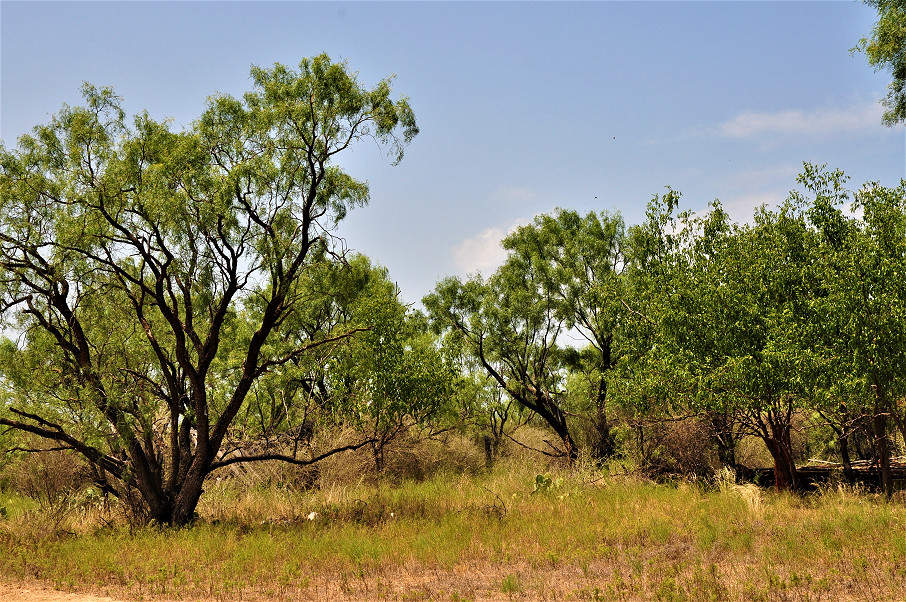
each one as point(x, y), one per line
point(774, 429)
point(880, 431)
point(843, 440)
point(186, 500)
point(603, 445)
point(726, 450)
point(557, 421)
point(785, 476)
point(724, 439)
point(488, 452)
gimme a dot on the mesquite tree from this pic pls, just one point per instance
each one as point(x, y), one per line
point(126, 253)
point(510, 328)
point(578, 262)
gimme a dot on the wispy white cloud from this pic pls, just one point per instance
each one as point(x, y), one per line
point(482, 252)
point(742, 192)
point(742, 207)
point(513, 194)
point(812, 123)
point(759, 177)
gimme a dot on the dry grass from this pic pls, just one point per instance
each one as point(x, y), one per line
point(579, 535)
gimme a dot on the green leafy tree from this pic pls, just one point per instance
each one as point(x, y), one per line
point(880, 285)
point(652, 380)
point(840, 400)
point(762, 301)
point(649, 278)
point(292, 401)
point(511, 330)
point(863, 270)
point(577, 263)
point(391, 378)
point(479, 400)
point(562, 272)
point(886, 49)
point(729, 339)
point(126, 252)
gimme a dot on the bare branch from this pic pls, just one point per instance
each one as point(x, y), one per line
point(291, 459)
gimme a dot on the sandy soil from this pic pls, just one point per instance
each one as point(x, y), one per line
point(27, 592)
point(324, 590)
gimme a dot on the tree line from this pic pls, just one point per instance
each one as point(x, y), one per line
point(178, 303)
point(796, 314)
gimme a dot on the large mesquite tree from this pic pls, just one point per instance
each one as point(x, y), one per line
point(562, 272)
point(126, 253)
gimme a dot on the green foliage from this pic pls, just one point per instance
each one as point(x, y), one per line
point(379, 371)
point(860, 337)
point(510, 331)
point(886, 49)
point(154, 274)
point(546, 484)
point(561, 273)
point(645, 384)
point(542, 483)
point(734, 324)
point(511, 584)
point(800, 310)
point(392, 375)
point(577, 264)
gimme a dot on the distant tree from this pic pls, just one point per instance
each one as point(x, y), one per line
point(391, 378)
point(886, 49)
point(511, 330)
point(128, 254)
point(479, 400)
point(577, 263)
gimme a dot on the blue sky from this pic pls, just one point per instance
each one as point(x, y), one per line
point(523, 107)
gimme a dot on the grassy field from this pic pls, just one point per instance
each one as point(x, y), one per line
point(507, 534)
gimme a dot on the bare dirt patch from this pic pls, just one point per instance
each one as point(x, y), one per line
point(30, 592)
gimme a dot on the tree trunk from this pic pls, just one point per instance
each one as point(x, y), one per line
point(488, 452)
point(190, 492)
point(377, 451)
point(785, 476)
point(724, 440)
point(775, 431)
point(726, 450)
point(880, 431)
point(551, 413)
point(603, 445)
point(572, 451)
point(843, 440)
